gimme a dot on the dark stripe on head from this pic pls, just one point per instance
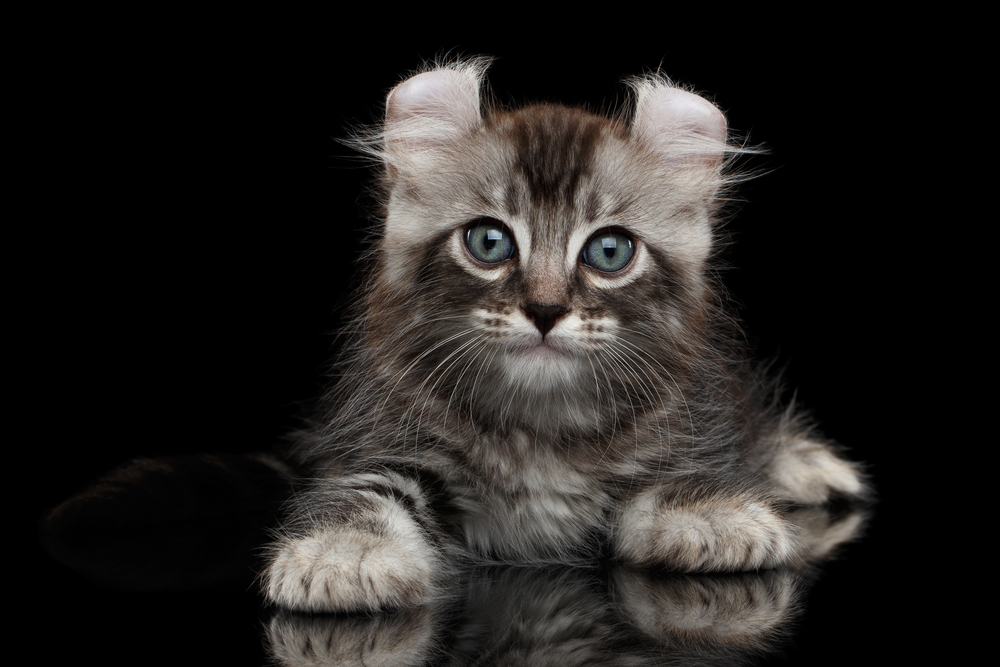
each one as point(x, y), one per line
point(554, 148)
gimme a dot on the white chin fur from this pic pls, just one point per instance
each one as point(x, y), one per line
point(540, 368)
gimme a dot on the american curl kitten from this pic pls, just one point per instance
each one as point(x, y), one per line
point(539, 368)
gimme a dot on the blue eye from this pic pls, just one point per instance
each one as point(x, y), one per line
point(489, 241)
point(609, 251)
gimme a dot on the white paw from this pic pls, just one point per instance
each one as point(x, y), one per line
point(729, 534)
point(810, 472)
point(347, 569)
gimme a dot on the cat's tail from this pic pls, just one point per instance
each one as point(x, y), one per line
point(177, 523)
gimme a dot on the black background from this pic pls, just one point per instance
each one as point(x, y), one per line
point(195, 227)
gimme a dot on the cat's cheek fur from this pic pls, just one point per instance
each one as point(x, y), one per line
point(344, 568)
point(735, 532)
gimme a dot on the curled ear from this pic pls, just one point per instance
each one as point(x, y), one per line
point(433, 109)
point(681, 127)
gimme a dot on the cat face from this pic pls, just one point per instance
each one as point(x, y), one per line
point(556, 257)
point(545, 260)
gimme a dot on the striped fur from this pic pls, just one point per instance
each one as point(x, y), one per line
point(461, 426)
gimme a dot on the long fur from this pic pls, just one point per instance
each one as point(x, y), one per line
point(460, 428)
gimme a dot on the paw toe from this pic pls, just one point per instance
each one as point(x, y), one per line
point(348, 570)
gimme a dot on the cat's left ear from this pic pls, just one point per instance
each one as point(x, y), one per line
point(683, 129)
point(432, 111)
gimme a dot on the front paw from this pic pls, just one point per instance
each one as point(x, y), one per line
point(708, 534)
point(347, 569)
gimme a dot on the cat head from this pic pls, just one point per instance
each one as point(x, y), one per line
point(542, 260)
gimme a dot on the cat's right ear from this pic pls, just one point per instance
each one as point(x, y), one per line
point(430, 112)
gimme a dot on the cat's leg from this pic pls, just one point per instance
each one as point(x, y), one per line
point(808, 471)
point(360, 543)
point(699, 530)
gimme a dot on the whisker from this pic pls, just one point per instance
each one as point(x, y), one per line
point(458, 354)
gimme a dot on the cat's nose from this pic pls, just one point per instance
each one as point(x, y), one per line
point(544, 315)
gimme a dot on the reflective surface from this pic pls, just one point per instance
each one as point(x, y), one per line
point(608, 614)
point(524, 616)
point(614, 615)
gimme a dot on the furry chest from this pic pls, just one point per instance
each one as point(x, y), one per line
point(546, 510)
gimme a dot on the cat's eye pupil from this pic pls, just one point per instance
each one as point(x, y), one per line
point(489, 241)
point(610, 244)
point(492, 236)
point(609, 251)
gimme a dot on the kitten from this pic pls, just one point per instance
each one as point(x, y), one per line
point(539, 368)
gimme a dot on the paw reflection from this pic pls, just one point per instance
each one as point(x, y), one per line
point(404, 637)
point(565, 616)
point(559, 617)
point(709, 611)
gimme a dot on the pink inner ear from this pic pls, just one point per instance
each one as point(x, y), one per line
point(669, 113)
point(411, 97)
point(441, 102)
